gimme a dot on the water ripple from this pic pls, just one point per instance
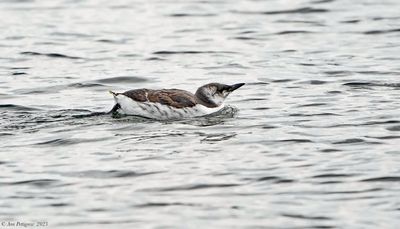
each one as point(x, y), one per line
point(122, 79)
point(304, 10)
point(191, 52)
point(192, 187)
point(101, 174)
point(298, 216)
point(191, 15)
point(383, 179)
point(41, 183)
point(274, 179)
point(53, 55)
point(376, 32)
point(164, 204)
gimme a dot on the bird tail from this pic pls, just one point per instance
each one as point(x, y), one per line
point(116, 106)
point(113, 93)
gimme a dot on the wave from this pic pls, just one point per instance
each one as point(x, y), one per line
point(52, 55)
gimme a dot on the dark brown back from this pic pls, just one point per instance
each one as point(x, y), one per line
point(171, 97)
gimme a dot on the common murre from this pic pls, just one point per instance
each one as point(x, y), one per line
point(166, 104)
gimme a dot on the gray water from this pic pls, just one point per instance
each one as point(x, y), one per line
point(311, 140)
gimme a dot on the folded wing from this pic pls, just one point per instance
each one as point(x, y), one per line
point(170, 97)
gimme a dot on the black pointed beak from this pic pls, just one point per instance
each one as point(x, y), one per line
point(235, 86)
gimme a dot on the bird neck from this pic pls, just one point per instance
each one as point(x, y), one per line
point(205, 100)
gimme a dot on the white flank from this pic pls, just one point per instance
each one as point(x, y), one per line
point(159, 111)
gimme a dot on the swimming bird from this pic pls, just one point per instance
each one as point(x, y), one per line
point(169, 104)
